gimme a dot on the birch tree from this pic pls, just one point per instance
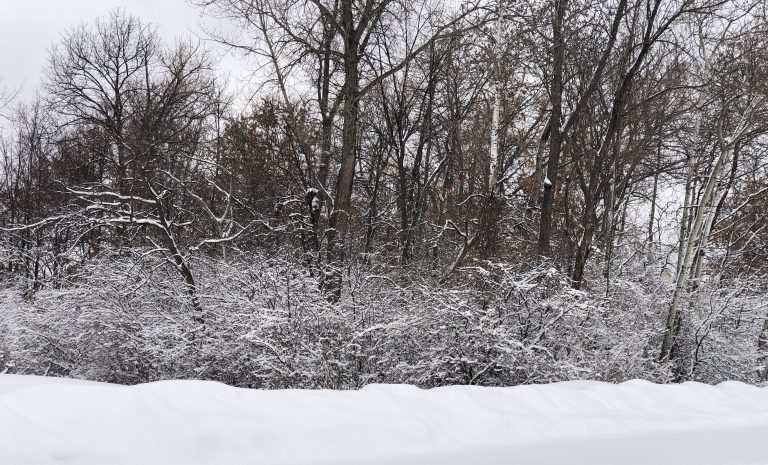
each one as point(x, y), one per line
point(741, 92)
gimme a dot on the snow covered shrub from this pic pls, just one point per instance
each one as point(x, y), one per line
point(6, 363)
point(266, 324)
point(518, 327)
point(128, 320)
point(721, 330)
point(89, 328)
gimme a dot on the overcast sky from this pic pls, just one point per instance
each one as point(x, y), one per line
point(28, 28)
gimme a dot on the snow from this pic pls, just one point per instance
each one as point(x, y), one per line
point(312, 193)
point(46, 421)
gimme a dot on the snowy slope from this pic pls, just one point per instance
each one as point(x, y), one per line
point(46, 421)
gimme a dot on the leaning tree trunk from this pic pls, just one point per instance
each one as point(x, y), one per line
point(699, 230)
point(692, 247)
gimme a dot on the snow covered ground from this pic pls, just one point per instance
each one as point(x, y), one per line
point(46, 421)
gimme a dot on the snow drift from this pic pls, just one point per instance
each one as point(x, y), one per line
point(46, 420)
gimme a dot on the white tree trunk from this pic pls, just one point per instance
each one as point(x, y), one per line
point(493, 172)
point(698, 233)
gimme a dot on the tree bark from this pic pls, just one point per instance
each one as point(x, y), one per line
point(555, 132)
point(339, 220)
point(697, 235)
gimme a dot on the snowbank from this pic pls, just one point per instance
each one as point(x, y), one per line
point(44, 420)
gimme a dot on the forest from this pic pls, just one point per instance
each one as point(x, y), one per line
point(484, 192)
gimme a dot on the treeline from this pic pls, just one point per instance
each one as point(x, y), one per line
point(487, 193)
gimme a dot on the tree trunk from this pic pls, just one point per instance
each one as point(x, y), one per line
point(654, 194)
point(712, 196)
point(339, 220)
point(692, 247)
point(584, 246)
point(555, 132)
point(762, 350)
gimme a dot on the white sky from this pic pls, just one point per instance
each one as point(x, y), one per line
point(28, 28)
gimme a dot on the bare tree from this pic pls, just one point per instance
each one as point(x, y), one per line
point(351, 32)
point(155, 107)
point(741, 99)
point(94, 77)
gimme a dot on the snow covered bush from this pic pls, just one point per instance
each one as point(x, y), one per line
point(266, 324)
